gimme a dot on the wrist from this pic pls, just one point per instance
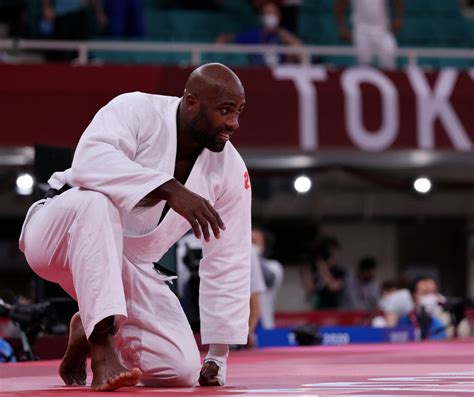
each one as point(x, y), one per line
point(166, 190)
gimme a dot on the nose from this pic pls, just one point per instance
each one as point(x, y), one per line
point(232, 123)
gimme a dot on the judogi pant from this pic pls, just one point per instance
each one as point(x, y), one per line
point(76, 239)
point(373, 41)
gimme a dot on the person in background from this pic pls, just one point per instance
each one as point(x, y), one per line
point(395, 302)
point(257, 288)
point(188, 257)
point(68, 20)
point(372, 32)
point(361, 291)
point(272, 274)
point(324, 279)
point(425, 317)
point(270, 32)
point(125, 18)
point(289, 10)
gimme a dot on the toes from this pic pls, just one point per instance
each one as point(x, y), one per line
point(122, 379)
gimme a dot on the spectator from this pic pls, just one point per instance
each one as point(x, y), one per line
point(361, 291)
point(426, 315)
point(395, 302)
point(188, 257)
point(272, 274)
point(68, 20)
point(257, 287)
point(125, 18)
point(289, 10)
point(324, 282)
point(270, 32)
point(372, 32)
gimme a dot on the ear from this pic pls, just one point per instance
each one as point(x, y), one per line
point(192, 103)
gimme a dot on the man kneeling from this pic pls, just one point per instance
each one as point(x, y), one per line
point(147, 169)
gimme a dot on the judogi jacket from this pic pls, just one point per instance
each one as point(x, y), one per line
point(128, 150)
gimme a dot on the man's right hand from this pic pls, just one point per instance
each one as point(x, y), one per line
point(194, 208)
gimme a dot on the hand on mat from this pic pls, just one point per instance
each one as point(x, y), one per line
point(213, 373)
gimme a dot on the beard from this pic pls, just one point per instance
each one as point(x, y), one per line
point(203, 133)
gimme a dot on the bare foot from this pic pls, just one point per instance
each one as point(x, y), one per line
point(124, 378)
point(108, 373)
point(73, 365)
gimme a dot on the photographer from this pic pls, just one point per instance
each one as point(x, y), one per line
point(324, 279)
point(426, 316)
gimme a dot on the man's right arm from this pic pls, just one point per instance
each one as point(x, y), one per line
point(104, 160)
point(194, 208)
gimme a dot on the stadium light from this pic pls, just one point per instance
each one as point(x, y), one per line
point(24, 184)
point(302, 184)
point(422, 185)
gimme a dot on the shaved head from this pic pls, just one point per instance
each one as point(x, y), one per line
point(213, 99)
point(212, 78)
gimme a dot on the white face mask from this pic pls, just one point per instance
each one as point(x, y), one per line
point(270, 21)
point(399, 302)
point(259, 249)
point(431, 304)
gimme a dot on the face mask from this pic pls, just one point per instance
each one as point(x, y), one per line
point(399, 302)
point(270, 21)
point(259, 249)
point(430, 303)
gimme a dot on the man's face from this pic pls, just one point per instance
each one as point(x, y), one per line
point(217, 118)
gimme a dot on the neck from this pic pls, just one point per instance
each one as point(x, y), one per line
point(187, 148)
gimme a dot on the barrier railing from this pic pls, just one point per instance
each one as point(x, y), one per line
point(196, 50)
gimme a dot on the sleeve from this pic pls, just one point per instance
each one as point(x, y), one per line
point(104, 158)
point(224, 296)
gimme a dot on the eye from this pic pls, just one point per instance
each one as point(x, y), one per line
point(225, 110)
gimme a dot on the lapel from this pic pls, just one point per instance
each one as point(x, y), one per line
point(152, 246)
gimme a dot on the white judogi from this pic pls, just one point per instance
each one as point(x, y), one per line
point(372, 34)
point(99, 246)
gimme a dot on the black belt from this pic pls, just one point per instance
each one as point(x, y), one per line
point(54, 192)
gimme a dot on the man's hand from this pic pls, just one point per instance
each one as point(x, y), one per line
point(194, 208)
point(210, 376)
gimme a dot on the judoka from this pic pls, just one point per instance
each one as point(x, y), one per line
point(146, 170)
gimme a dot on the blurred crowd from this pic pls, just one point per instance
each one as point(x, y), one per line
point(372, 30)
point(329, 285)
point(416, 302)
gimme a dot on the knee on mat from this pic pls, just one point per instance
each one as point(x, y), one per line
point(182, 375)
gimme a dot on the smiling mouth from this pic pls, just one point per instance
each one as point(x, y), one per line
point(224, 135)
